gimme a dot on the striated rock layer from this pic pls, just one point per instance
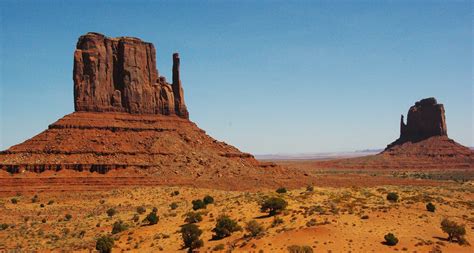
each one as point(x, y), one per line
point(120, 75)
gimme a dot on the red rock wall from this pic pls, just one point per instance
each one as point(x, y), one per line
point(120, 75)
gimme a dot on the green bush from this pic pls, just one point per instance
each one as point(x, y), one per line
point(111, 212)
point(50, 202)
point(141, 210)
point(219, 247)
point(118, 227)
point(193, 217)
point(14, 201)
point(254, 228)
point(136, 217)
point(104, 244)
point(174, 193)
point(225, 226)
point(35, 199)
point(273, 205)
point(198, 204)
point(155, 210)
point(454, 230)
point(173, 205)
point(208, 200)
point(190, 234)
point(299, 249)
point(281, 190)
point(68, 217)
point(152, 218)
point(430, 207)
point(390, 239)
point(392, 197)
point(3, 226)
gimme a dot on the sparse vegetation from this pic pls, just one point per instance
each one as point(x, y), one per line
point(225, 226)
point(219, 247)
point(281, 190)
point(430, 207)
point(193, 217)
point(390, 239)
point(111, 212)
point(299, 249)
point(273, 205)
point(141, 210)
point(190, 234)
point(35, 199)
point(68, 217)
point(152, 218)
point(3, 226)
point(309, 188)
point(454, 230)
point(392, 197)
point(277, 221)
point(254, 228)
point(173, 205)
point(104, 244)
point(208, 200)
point(198, 204)
point(118, 227)
point(174, 193)
point(14, 201)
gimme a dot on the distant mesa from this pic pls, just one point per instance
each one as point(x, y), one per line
point(127, 116)
point(120, 75)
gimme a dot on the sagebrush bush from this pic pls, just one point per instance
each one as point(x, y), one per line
point(141, 210)
point(190, 234)
point(111, 212)
point(68, 217)
point(273, 205)
point(198, 204)
point(299, 249)
point(454, 230)
point(254, 228)
point(173, 205)
point(193, 217)
point(430, 207)
point(208, 200)
point(152, 218)
point(225, 226)
point(309, 188)
point(281, 190)
point(104, 244)
point(392, 197)
point(14, 201)
point(390, 239)
point(118, 227)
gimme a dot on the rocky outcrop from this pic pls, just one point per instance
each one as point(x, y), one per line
point(425, 119)
point(120, 75)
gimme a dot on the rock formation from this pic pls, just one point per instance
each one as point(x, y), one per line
point(120, 75)
point(425, 119)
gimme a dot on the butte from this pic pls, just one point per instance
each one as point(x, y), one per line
point(130, 127)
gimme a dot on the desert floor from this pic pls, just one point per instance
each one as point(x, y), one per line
point(328, 219)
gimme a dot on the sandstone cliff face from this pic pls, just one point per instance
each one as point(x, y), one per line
point(120, 75)
point(425, 119)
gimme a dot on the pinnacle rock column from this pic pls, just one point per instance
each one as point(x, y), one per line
point(179, 105)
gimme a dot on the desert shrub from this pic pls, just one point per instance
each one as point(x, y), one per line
point(454, 230)
point(208, 200)
point(273, 205)
point(35, 199)
point(111, 212)
point(155, 210)
point(43, 220)
point(277, 221)
point(104, 244)
point(430, 207)
point(136, 218)
point(14, 201)
point(254, 228)
point(118, 227)
point(193, 217)
point(198, 204)
point(173, 205)
point(67, 217)
point(152, 218)
point(141, 210)
point(41, 205)
point(225, 226)
point(309, 188)
point(3, 226)
point(390, 239)
point(50, 202)
point(190, 234)
point(392, 197)
point(311, 223)
point(281, 190)
point(219, 247)
point(364, 217)
point(174, 193)
point(299, 249)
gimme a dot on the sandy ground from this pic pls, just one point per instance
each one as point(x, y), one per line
point(337, 212)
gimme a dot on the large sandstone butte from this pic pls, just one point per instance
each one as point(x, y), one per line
point(423, 144)
point(132, 126)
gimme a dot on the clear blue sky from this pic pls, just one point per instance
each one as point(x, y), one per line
point(265, 76)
